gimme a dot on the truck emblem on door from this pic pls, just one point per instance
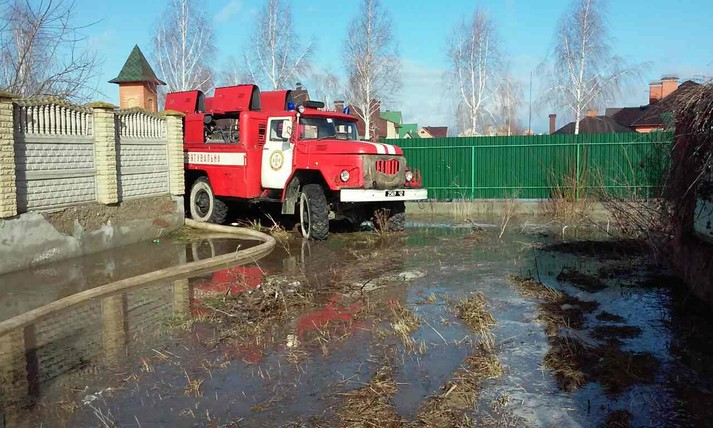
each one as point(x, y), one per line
point(276, 160)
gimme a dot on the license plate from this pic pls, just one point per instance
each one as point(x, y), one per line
point(395, 193)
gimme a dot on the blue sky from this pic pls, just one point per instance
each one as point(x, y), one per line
point(673, 37)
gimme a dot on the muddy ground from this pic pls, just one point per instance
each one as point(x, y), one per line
point(93, 216)
point(443, 325)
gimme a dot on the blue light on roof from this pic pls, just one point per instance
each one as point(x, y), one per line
point(290, 106)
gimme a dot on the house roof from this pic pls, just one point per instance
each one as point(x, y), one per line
point(595, 125)
point(137, 69)
point(437, 131)
point(655, 114)
point(627, 115)
point(408, 128)
point(392, 116)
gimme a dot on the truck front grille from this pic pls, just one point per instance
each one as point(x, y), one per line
point(384, 171)
point(388, 167)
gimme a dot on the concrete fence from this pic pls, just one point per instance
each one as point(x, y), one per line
point(55, 154)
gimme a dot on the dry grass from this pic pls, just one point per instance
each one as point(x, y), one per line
point(193, 387)
point(475, 313)
point(581, 280)
point(371, 405)
point(534, 289)
point(428, 300)
point(574, 362)
point(614, 333)
point(610, 317)
point(509, 209)
point(460, 393)
point(404, 323)
point(566, 312)
point(568, 202)
point(618, 419)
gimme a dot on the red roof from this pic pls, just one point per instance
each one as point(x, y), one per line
point(437, 131)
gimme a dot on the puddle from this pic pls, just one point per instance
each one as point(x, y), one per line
point(317, 333)
point(29, 289)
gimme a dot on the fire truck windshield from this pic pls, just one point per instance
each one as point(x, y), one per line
point(318, 128)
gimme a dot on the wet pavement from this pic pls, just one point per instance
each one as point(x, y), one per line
point(317, 330)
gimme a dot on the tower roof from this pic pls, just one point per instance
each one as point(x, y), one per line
point(137, 69)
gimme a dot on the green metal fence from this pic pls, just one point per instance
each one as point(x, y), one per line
point(540, 166)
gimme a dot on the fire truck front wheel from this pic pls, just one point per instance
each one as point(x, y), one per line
point(314, 212)
point(204, 205)
point(391, 218)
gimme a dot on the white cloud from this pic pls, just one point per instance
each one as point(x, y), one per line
point(227, 12)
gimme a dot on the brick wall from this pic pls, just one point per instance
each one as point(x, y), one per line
point(55, 154)
point(8, 198)
point(142, 154)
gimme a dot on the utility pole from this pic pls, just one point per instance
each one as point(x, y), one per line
point(529, 121)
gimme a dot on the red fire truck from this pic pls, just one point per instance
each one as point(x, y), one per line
point(244, 145)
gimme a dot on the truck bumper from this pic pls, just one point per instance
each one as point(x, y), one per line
point(375, 195)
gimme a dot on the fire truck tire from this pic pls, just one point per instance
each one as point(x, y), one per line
point(395, 217)
point(397, 222)
point(314, 213)
point(204, 206)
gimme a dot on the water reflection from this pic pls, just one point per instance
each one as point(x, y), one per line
point(41, 358)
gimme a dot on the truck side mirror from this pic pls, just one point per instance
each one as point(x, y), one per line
point(286, 129)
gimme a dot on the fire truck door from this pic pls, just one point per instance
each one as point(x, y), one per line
point(277, 153)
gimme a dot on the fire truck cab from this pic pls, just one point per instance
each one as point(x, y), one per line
point(244, 145)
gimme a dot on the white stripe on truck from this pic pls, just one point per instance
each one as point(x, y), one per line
point(214, 158)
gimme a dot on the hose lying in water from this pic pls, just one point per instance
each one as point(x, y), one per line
point(239, 257)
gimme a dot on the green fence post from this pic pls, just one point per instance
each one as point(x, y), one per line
point(472, 171)
point(579, 166)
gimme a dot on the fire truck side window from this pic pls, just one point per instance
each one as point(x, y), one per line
point(276, 130)
point(223, 130)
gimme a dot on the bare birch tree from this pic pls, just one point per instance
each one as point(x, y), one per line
point(276, 57)
point(474, 63)
point(183, 47)
point(43, 52)
point(508, 100)
point(582, 72)
point(372, 62)
point(325, 86)
point(233, 73)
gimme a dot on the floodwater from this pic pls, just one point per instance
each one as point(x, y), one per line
point(29, 289)
point(290, 339)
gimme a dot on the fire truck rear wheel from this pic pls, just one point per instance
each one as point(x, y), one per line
point(204, 206)
point(314, 212)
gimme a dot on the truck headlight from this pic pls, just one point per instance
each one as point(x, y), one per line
point(344, 175)
point(409, 176)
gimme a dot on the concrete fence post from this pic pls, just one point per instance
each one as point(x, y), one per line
point(8, 189)
point(174, 140)
point(105, 153)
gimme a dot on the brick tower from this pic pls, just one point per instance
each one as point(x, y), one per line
point(137, 83)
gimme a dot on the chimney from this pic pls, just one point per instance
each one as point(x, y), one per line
point(668, 85)
point(339, 106)
point(489, 130)
point(655, 92)
point(592, 112)
point(553, 123)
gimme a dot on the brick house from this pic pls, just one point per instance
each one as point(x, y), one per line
point(433, 132)
point(664, 95)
